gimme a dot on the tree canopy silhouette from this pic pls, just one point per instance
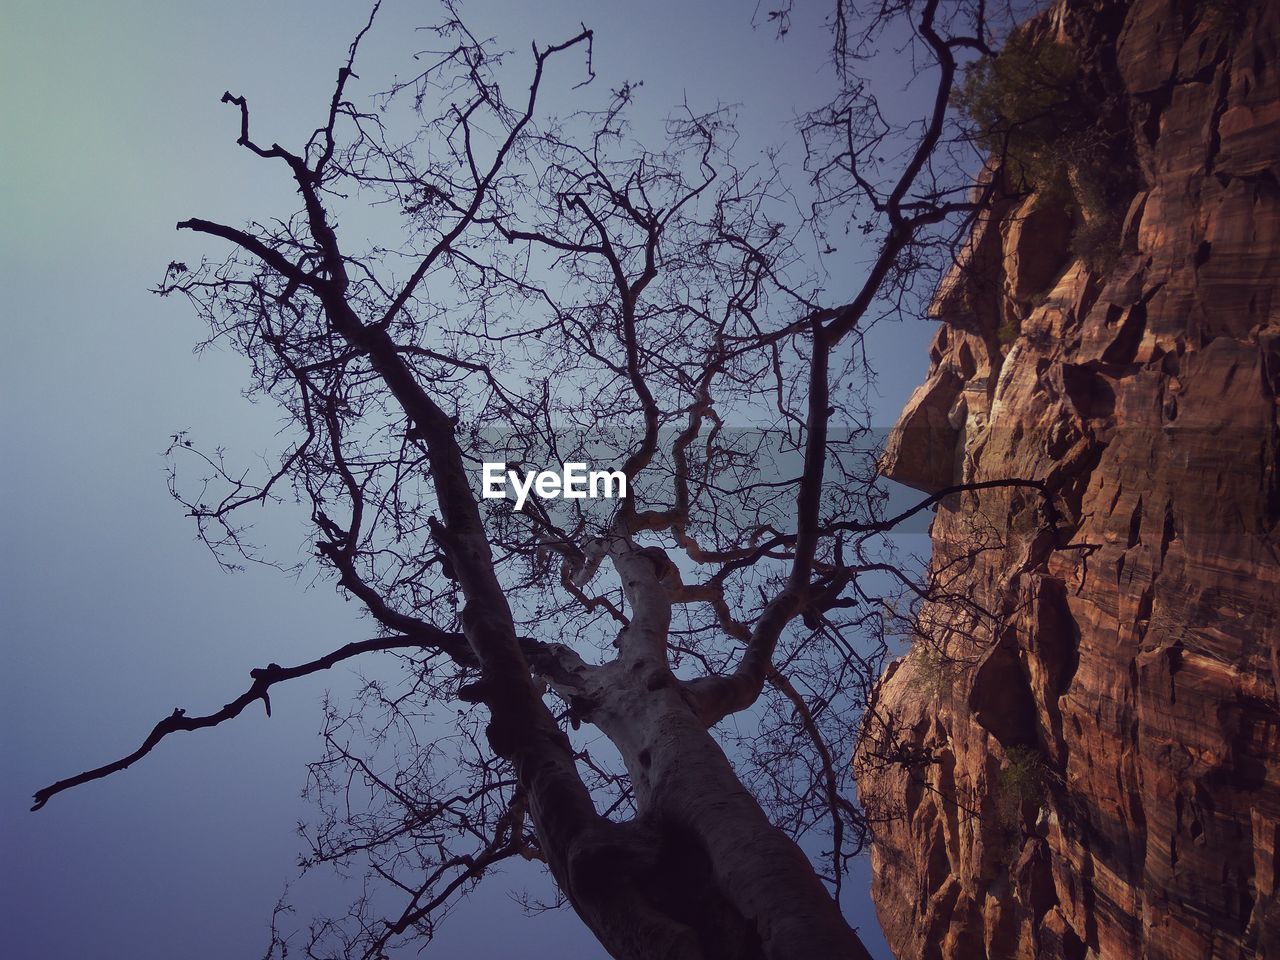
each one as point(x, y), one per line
point(561, 293)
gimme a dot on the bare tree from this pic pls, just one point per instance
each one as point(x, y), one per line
point(562, 294)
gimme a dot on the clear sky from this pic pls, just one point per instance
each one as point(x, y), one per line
point(112, 613)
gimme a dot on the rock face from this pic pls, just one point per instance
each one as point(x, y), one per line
point(1080, 756)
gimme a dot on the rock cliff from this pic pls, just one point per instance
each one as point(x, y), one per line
point(1080, 755)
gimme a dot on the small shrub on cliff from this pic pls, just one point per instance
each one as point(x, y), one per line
point(1033, 109)
point(1023, 105)
point(1021, 780)
point(1097, 242)
point(935, 671)
point(1009, 330)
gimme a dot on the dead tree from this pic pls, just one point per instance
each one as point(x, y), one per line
point(561, 294)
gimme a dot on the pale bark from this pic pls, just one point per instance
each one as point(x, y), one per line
point(760, 892)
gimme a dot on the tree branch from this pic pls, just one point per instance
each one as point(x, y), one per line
point(263, 679)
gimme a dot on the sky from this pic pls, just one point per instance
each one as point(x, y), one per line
point(113, 613)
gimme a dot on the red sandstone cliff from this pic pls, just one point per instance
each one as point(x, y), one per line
point(1082, 755)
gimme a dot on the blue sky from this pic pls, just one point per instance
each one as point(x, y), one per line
point(112, 613)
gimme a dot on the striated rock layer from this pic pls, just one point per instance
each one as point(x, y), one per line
point(1080, 756)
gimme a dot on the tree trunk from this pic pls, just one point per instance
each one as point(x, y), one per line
point(746, 889)
point(701, 867)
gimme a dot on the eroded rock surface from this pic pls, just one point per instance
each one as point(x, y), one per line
point(1083, 756)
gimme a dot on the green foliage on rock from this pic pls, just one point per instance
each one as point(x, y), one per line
point(1020, 781)
point(1010, 329)
point(1023, 105)
point(1031, 109)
